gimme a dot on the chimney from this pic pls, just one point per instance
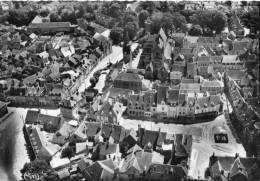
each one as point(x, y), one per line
point(173, 153)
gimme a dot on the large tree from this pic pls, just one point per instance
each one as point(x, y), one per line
point(116, 35)
point(211, 19)
point(143, 15)
point(195, 30)
point(39, 169)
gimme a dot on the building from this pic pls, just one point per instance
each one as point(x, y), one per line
point(231, 62)
point(140, 104)
point(42, 148)
point(50, 27)
point(213, 87)
point(3, 109)
point(233, 168)
point(128, 81)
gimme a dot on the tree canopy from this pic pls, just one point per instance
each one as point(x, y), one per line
point(39, 169)
point(211, 19)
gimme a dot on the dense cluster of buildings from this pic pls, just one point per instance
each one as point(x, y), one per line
point(178, 77)
point(41, 70)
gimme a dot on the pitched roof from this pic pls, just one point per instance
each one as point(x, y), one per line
point(50, 25)
point(230, 59)
point(107, 148)
point(173, 95)
point(118, 133)
point(161, 93)
point(150, 137)
point(101, 170)
point(128, 77)
point(31, 116)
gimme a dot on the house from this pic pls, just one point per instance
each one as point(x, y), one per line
point(189, 88)
point(175, 77)
point(231, 62)
point(42, 148)
point(128, 81)
point(103, 151)
point(49, 123)
point(140, 104)
point(3, 109)
point(64, 133)
point(99, 170)
point(166, 172)
point(137, 162)
point(213, 87)
point(50, 27)
point(106, 114)
point(233, 168)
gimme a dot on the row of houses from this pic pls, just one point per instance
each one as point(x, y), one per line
point(173, 102)
point(247, 118)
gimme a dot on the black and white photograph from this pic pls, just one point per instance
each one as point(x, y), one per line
point(129, 90)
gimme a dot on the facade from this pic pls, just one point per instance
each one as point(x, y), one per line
point(128, 81)
point(213, 87)
point(3, 109)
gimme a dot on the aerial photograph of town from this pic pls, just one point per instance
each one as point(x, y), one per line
point(129, 90)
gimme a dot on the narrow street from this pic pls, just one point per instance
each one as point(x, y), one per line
point(114, 57)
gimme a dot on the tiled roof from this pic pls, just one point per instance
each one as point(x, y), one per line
point(118, 133)
point(128, 77)
point(149, 136)
point(107, 148)
point(101, 170)
point(194, 86)
point(236, 74)
point(92, 128)
point(50, 25)
point(31, 116)
point(161, 93)
point(173, 95)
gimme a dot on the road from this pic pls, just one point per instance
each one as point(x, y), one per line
point(203, 140)
point(115, 56)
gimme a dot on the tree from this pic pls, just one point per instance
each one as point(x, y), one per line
point(44, 12)
point(147, 5)
point(142, 17)
point(115, 10)
point(131, 28)
point(67, 152)
point(39, 168)
point(211, 19)
point(116, 35)
point(54, 17)
point(195, 30)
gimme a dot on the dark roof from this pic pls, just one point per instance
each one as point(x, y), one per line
point(173, 95)
point(128, 77)
point(118, 133)
point(49, 120)
point(106, 130)
point(150, 136)
point(31, 116)
point(92, 128)
point(101, 169)
point(107, 148)
point(161, 93)
point(50, 25)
